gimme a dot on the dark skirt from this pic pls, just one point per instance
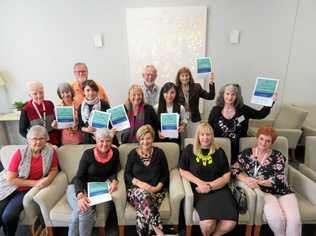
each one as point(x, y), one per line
point(216, 205)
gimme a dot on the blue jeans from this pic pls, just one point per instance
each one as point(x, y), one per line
point(10, 209)
point(81, 223)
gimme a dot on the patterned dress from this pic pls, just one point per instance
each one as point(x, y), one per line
point(272, 167)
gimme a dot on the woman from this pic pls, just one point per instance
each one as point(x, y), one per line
point(190, 94)
point(169, 103)
point(98, 164)
point(35, 165)
point(207, 168)
point(263, 167)
point(69, 135)
point(147, 179)
point(138, 114)
point(38, 111)
point(90, 103)
point(230, 117)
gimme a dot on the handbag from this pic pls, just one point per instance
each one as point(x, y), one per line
point(239, 196)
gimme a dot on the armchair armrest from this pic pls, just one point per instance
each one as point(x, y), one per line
point(259, 206)
point(305, 170)
point(302, 185)
point(251, 200)
point(292, 135)
point(188, 202)
point(259, 123)
point(30, 207)
point(119, 198)
point(176, 194)
point(47, 197)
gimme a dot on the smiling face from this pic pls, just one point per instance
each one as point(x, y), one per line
point(230, 96)
point(37, 143)
point(37, 95)
point(150, 75)
point(66, 96)
point(146, 141)
point(170, 95)
point(135, 96)
point(205, 138)
point(264, 142)
point(184, 78)
point(104, 144)
point(89, 93)
point(81, 73)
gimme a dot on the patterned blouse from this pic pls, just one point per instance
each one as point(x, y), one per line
point(271, 168)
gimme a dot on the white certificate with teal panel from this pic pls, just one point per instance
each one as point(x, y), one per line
point(169, 123)
point(204, 67)
point(100, 119)
point(98, 192)
point(64, 116)
point(119, 118)
point(264, 90)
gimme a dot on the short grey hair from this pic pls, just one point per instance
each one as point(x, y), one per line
point(37, 131)
point(103, 133)
point(65, 87)
point(239, 102)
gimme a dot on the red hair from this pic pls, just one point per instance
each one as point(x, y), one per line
point(268, 131)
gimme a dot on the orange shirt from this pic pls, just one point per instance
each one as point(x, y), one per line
point(79, 94)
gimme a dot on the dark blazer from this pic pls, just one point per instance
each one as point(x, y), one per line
point(195, 92)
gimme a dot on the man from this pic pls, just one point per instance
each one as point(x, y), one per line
point(81, 75)
point(151, 90)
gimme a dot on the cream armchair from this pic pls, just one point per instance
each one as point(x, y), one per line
point(169, 209)
point(52, 200)
point(304, 187)
point(190, 214)
point(31, 210)
point(308, 168)
point(288, 123)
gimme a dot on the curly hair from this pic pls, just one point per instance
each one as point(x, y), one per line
point(239, 102)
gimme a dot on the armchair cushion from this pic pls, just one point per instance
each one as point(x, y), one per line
point(297, 117)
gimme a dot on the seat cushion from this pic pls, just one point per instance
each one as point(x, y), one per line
point(165, 212)
point(61, 213)
point(290, 117)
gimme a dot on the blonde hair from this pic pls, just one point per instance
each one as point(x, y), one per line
point(143, 130)
point(196, 144)
point(34, 85)
point(134, 87)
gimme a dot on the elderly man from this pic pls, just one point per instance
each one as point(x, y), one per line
point(151, 90)
point(81, 75)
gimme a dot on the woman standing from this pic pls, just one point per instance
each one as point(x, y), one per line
point(147, 180)
point(206, 168)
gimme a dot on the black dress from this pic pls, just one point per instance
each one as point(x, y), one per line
point(236, 127)
point(218, 204)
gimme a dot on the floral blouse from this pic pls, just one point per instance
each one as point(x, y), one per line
point(271, 168)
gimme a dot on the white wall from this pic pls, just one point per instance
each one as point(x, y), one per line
point(42, 40)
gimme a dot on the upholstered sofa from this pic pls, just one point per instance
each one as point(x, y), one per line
point(308, 168)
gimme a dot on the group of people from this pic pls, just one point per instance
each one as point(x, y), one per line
point(146, 174)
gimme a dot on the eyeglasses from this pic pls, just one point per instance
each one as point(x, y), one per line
point(80, 71)
point(34, 139)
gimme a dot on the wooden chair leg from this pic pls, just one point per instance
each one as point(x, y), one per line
point(248, 230)
point(121, 230)
point(101, 231)
point(188, 230)
point(257, 230)
point(49, 231)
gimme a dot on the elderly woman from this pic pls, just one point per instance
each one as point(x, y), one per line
point(230, 117)
point(35, 165)
point(147, 179)
point(90, 103)
point(138, 113)
point(69, 135)
point(207, 168)
point(98, 164)
point(262, 167)
point(38, 111)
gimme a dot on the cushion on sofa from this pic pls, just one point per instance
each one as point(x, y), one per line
point(289, 117)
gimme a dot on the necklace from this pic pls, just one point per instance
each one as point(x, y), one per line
point(205, 159)
point(257, 167)
point(145, 156)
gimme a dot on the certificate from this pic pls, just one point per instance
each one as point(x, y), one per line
point(64, 116)
point(204, 67)
point(98, 192)
point(100, 119)
point(169, 124)
point(119, 118)
point(264, 90)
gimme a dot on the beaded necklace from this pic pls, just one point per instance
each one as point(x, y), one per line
point(205, 159)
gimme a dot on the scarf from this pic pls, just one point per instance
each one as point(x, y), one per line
point(102, 157)
point(85, 111)
point(135, 121)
